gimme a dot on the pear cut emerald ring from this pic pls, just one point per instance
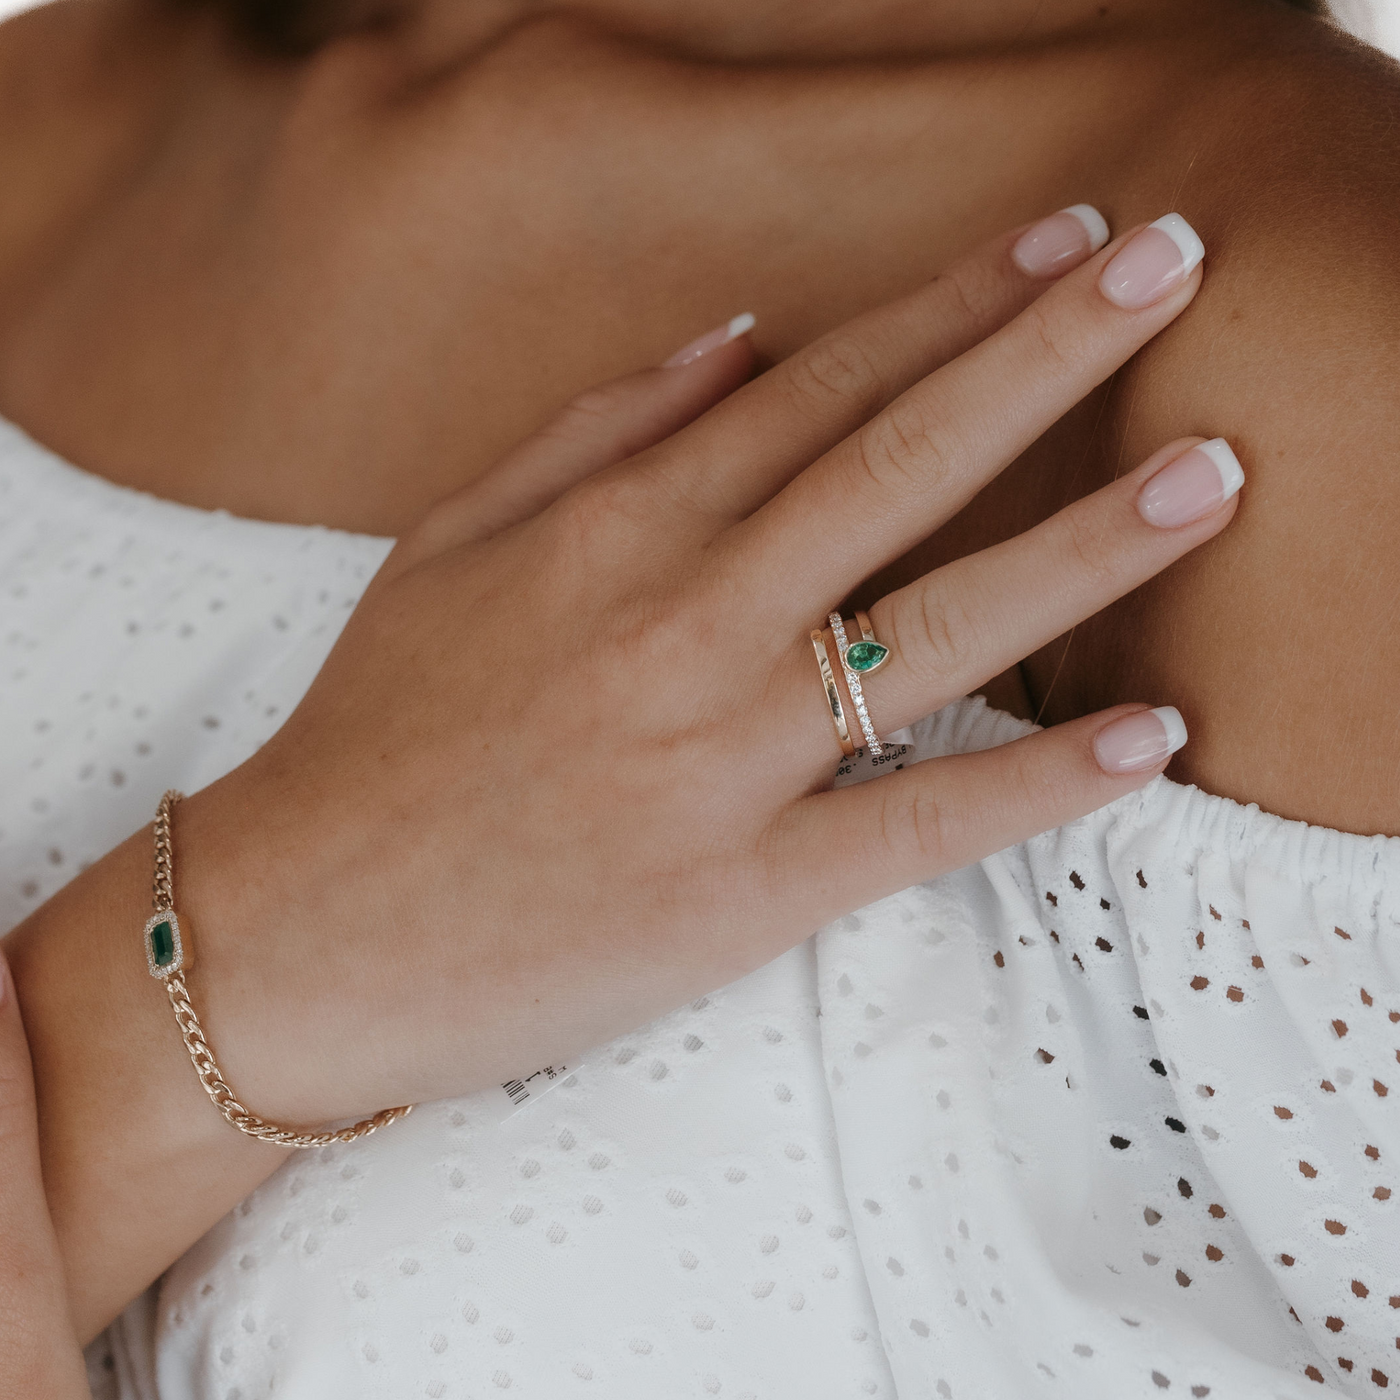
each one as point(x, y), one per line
point(860, 659)
point(864, 657)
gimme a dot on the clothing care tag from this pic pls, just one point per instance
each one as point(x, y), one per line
point(516, 1093)
point(860, 767)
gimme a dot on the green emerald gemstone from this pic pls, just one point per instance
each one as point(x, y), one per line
point(163, 944)
point(865, 656)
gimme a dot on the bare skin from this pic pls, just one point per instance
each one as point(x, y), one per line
point(381, 266)
point(439, 264)
point(642, 871)
point(37, 1341)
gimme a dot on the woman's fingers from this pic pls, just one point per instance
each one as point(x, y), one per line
point(39, 1353)
point(859, 843)
point(734, 462)
point(894, 481)
point(604, 425)
point(953, 629)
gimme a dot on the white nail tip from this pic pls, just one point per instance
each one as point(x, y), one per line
point(1175, 726)
point(1226, 463)
point(1095, 225)
point(1186, 238)
point(740, 325)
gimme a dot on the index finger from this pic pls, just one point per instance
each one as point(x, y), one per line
point(736, 459)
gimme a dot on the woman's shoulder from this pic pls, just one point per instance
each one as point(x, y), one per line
point(1278, 641)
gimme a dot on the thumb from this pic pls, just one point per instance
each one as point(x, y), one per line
point(599, 428)
point(39, 1354)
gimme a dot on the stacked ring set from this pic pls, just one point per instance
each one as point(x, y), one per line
point(854, 660)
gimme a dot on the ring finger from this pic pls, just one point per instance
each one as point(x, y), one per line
point(955, 628)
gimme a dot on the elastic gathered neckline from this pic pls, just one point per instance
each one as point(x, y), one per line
point(1194, 819)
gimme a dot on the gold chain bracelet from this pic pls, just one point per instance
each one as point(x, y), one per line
point(169, 957)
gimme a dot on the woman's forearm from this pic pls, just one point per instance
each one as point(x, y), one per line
point(137, 1163)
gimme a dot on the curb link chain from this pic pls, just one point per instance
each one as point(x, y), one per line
point(202, 1054)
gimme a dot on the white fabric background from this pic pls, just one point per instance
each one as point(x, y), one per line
point(1111, 1113)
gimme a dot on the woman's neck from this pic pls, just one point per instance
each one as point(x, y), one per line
point(437, 31)
point(183, 205)
point(147, 48)
point(433, 34)
point(90, 88)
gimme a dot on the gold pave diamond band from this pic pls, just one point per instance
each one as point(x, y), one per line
point(169, 957)
point(860, 659)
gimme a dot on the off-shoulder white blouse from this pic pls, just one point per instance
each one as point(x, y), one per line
point(1113, 1113)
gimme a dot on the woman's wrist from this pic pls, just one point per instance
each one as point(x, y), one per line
point(138, 1163)
point(170, 959)
point(248, 891)
point(291, 897)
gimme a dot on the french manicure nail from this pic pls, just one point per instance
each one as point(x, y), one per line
point(1061, 242)
point(1154, 262)
point(711, 340)
point(1140, 740)
point(1193, 486)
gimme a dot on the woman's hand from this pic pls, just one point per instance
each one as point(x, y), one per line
point(39, 1354)
point(569, 764)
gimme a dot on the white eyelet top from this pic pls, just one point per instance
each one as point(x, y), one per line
point(1113, 1113)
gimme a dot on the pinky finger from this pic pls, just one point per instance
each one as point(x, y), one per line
point(946, 813)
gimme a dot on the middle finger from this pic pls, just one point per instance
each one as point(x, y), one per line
point(952, 630)
point(914, 466)
point(777, 426)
